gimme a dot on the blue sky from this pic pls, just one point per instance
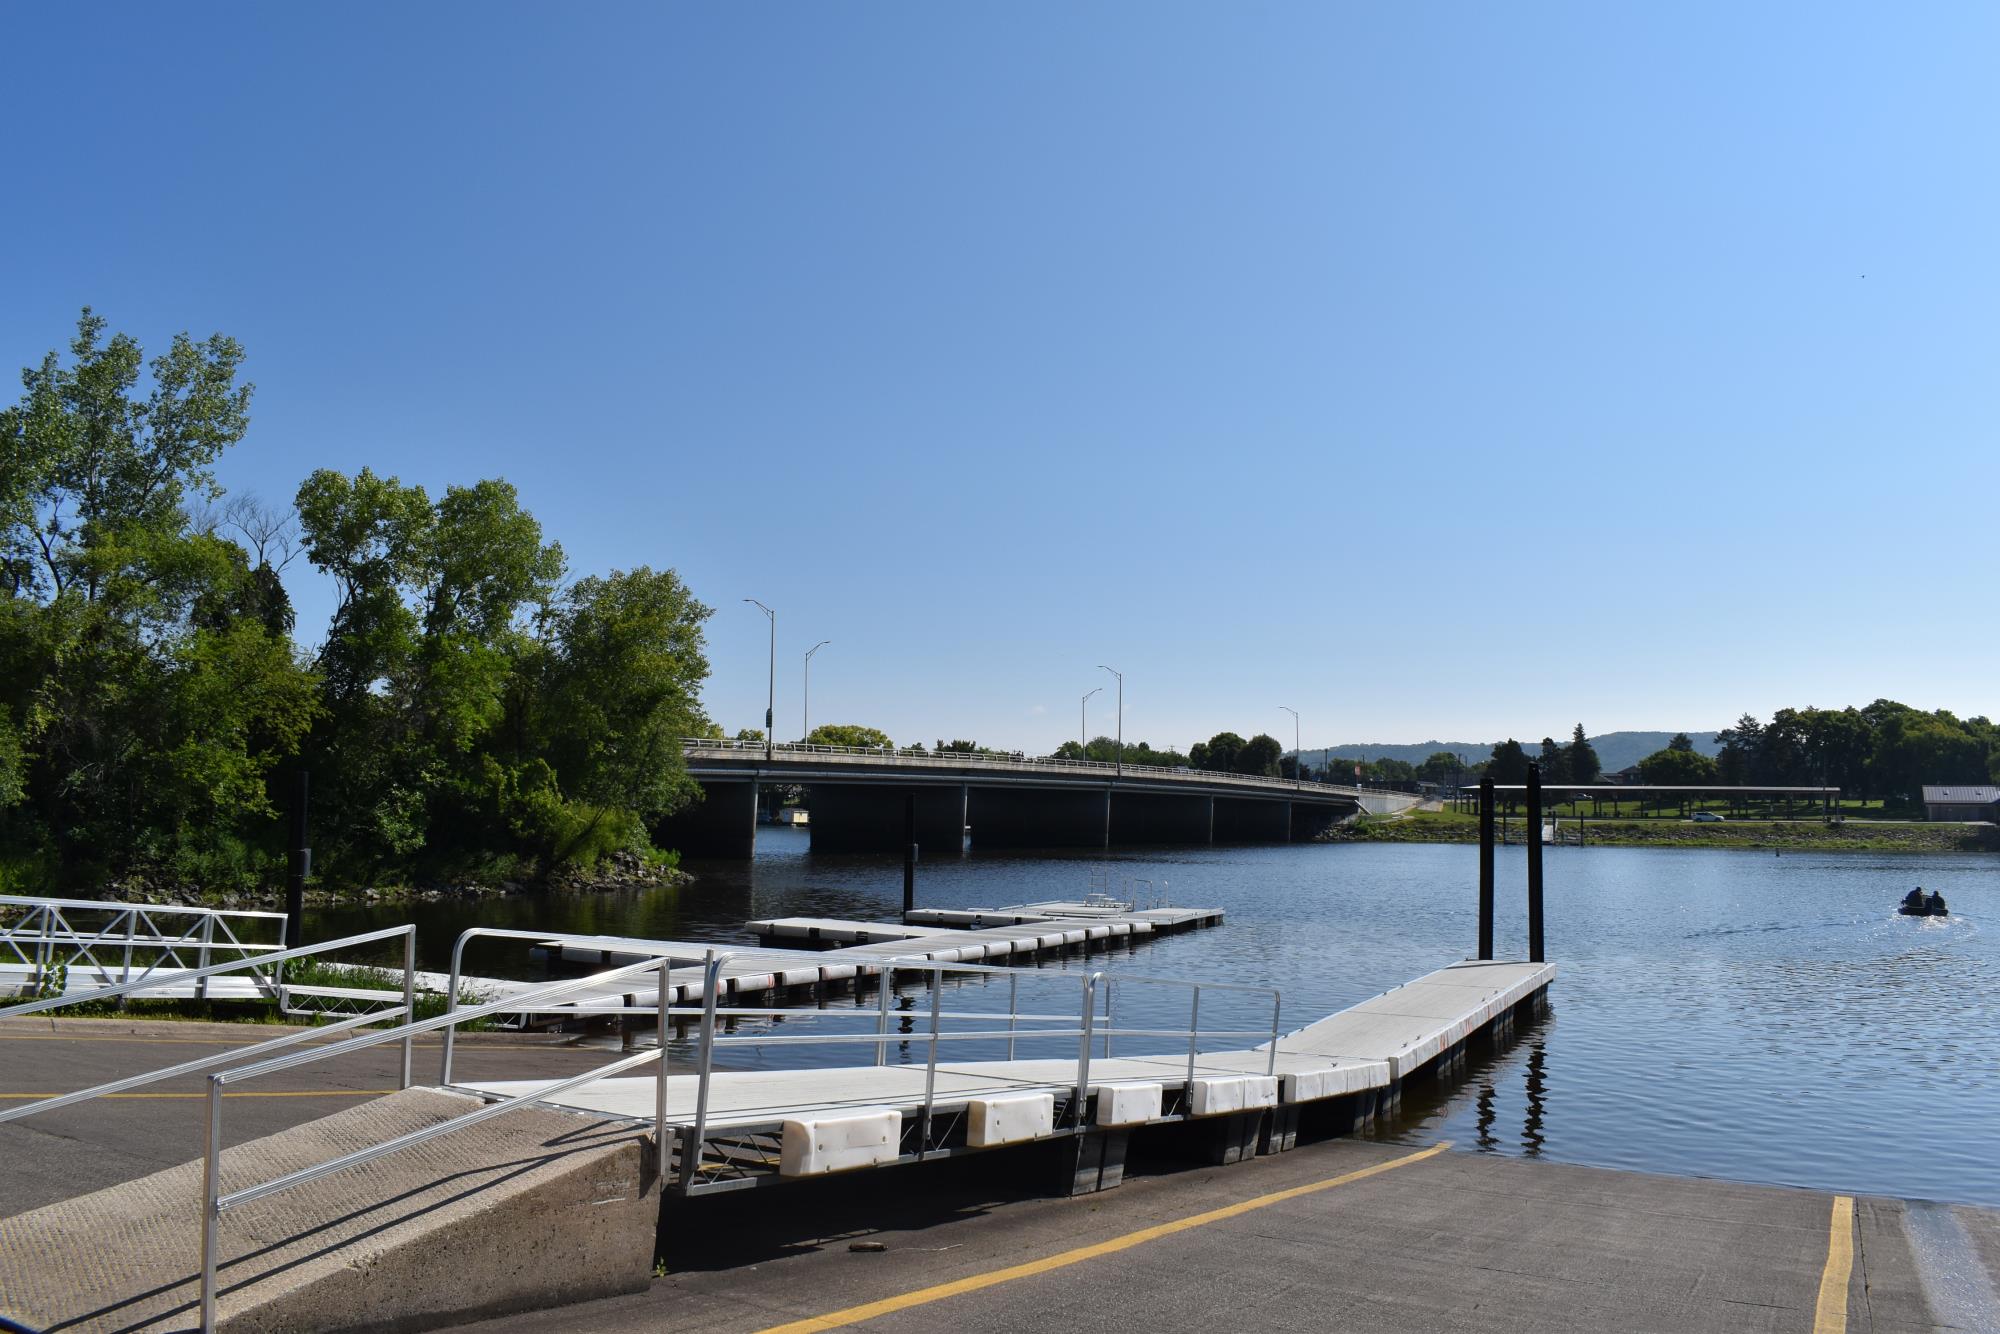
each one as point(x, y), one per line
point(1437, 371)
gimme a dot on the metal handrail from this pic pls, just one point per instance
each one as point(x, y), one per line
point(215, 1203)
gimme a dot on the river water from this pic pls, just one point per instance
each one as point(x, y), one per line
point(1719, 1013)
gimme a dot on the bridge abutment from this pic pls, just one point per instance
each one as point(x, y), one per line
point(722, 824)
point(871, 818)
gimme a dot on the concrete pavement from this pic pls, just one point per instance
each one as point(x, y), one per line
point(1342, 1235)
point(121, 1137)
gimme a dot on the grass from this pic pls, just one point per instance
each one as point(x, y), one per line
point(310, 972)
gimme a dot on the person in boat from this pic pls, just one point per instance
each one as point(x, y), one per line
point(1935, 904)
point(1914, 900)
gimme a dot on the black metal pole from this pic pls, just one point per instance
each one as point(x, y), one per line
point(1485, 868)
point(910, 852)
point(299, 865)
point(1534, 863)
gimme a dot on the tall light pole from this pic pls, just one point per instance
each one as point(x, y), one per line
point(1298, 756)
point(806, 710)
point(771, 696)
point(1082, 723)
point(1121, 715)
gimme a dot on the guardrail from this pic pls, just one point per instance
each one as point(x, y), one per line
point(731, 748)
point(43, 939)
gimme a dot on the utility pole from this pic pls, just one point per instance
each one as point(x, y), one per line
point(1121, 716)
point(1298, 756)
point(806, 710)
point(771, 697)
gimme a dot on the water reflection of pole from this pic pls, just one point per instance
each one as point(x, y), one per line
point(1531, 1125)
point(1485, 1115)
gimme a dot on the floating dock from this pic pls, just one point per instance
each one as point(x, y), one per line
point(764, 1125)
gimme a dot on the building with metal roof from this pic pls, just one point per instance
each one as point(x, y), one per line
point(1979, 801)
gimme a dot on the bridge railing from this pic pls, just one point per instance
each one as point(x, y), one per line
point(799, 750)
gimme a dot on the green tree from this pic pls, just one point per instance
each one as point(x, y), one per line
point(1554, 762)
point(849, 734)
point(1677, 768)
point(1680, 741)
point(1441, 767)
point(149, 690)
point(1219, 752)
point(1509, 763)
point(1258, 756)
point(1581, 758)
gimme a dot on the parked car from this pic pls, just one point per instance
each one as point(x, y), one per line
point(1705, 817)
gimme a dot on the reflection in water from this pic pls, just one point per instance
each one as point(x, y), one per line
point(1786, 1007)
point(1531, 1124)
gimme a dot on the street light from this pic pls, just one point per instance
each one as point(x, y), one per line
point(771, 697)
point(806, 710)
point(1121, 715)
point(1298, 755)
point(1082, 725)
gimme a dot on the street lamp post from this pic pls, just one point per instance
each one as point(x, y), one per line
point(771, 696)
point(1082, 723)
point(806, 709)
point(1121, 716)
point(1299, 762)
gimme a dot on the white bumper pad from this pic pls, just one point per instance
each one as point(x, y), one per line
point(1009, 1119)
point(1128, 1104)
point(836, 1143)
point(1217, 1095)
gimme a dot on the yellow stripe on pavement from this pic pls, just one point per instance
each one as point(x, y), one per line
point(1830, 1316)
point(924, 1296)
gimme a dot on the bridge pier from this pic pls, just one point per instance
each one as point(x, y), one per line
point(871, 817)
point(722, 824)
point(1022, 817)
point(1162, 817)
point(1253, 820)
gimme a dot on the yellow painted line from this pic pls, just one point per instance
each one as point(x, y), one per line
point(288, 1093)
point(1063, 1259)
point(1830, 1316)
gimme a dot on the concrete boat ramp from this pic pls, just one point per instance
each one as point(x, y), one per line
point(411, 1210)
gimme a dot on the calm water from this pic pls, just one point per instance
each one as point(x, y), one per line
point(1721, 1014)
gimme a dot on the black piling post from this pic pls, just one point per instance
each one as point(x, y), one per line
point(909, 853)
point(1534, 863)
point(299, 865)
point(1485, 868)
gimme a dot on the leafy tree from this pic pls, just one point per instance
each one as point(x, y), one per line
point(1677, 768)
point(1680, 741)
point(849, 734)
point(1509, 763)
point(1554, 762)
point(1581, 758)
point(1219, 752)
point(1441, 767)
point(1259, 756)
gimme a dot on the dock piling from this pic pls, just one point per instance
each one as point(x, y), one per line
point(1535, 863)
point(1486, 868)
point(910, 852)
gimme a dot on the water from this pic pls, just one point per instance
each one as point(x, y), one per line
point(1725, 1014)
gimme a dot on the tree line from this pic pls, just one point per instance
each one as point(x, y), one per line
point(473, 709)
point(1886, 750)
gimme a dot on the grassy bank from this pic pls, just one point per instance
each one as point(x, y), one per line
point(1816, 835)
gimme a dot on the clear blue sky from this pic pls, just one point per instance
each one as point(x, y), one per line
point(1436, 370)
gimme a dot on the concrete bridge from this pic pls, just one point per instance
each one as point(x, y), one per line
point(860, 800)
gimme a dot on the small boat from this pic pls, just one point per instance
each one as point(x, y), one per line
point(1931, 907)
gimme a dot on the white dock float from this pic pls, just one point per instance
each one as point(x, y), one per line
point(1367, 1048)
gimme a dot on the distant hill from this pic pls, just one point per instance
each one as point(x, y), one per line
point(1615, 750)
